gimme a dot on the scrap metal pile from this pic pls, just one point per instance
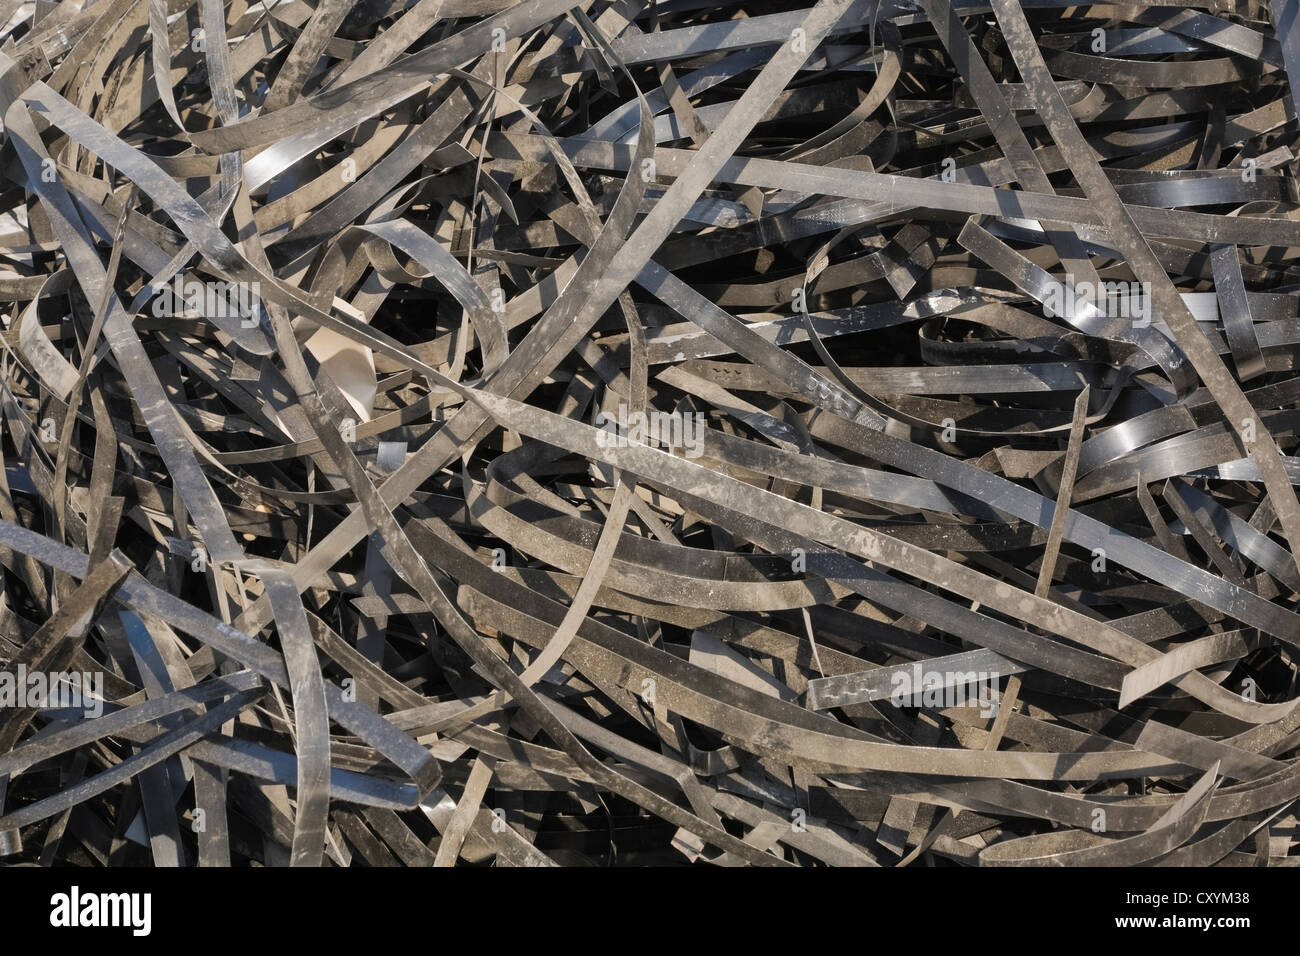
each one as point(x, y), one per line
point(617, 433)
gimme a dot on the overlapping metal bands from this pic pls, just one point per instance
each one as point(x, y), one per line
point(615, 433)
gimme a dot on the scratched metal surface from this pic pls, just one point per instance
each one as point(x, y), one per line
point(617, 433)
